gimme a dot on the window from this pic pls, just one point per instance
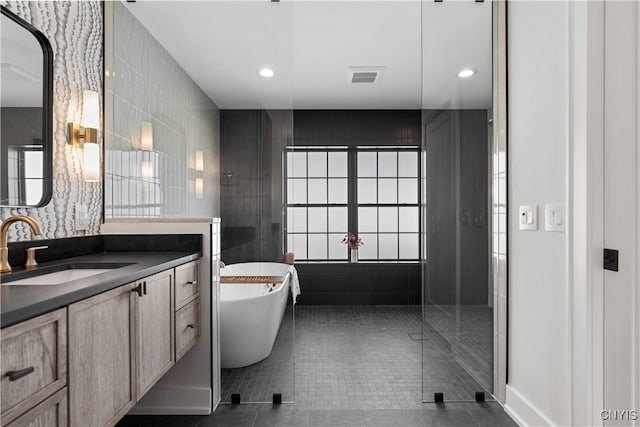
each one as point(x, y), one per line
point(25, 174)
point(372, 191)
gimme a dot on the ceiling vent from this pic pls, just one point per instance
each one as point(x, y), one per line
point(364, 74)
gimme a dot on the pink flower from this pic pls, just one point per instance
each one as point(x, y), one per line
point(352, 240)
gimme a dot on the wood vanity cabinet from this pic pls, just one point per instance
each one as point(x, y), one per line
point(102, 358)
point(154, 329)
point(120, 343)
point(50, 413)
point(187, 308)
point(34, 367)
point(187, 286)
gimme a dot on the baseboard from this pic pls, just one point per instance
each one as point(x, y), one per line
point(523, 412)
point(174, 401)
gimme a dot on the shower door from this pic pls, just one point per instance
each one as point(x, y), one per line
point(253, 135)
point(458, 298)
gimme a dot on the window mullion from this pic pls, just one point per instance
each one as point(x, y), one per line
point(352, 196)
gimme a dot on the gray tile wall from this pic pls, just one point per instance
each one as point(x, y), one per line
point(456, 180)
point(251, 193)
point(144, 84)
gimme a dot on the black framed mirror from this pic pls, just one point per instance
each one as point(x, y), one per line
point(26, 91)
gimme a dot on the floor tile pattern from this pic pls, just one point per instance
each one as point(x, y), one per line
point(366, 357)
point(469, 331)
point(469, 414)
point(357, 366)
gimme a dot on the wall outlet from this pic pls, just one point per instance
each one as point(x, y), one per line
point(82, 217)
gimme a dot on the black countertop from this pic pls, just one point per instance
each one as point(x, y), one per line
point(22, 302)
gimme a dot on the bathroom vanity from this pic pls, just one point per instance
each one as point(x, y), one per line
point(82, 351)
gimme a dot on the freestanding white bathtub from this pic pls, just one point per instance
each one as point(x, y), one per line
point(251, 314)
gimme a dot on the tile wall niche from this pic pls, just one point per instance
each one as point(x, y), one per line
point(145, 88)
point(74, 30)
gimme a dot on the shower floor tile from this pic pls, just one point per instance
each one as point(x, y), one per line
point(452, 415)
point(365, 357)
point(361, 365)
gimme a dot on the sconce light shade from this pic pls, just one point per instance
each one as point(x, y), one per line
point(87, 130)
point(90, 110)
point(199, 184)
point(146, 170)
point(85, 135)
point(146, 136)
point(199, 166)
point(91, 162)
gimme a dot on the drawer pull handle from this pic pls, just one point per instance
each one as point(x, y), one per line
point(192, 326)
point(144, 287)
point(138, 289)
point(191, 282)
point(16, 375)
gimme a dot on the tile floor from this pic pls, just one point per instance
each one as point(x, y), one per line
point(488, 414)
point(369, 357)
point(360, 366)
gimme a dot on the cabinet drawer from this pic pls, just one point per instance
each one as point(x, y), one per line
point(187, 327)
point(34, 362)
point(50, 413)
point(186, 283)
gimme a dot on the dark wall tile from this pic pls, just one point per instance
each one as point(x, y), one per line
point(359, 284)
point(373, 127)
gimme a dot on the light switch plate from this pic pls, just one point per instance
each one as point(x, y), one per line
point(528, 217)
point(554, 219)
point(82, 217)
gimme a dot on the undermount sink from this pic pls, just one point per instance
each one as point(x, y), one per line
point(61, 274)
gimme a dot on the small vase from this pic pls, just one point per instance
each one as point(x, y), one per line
point(354, 255)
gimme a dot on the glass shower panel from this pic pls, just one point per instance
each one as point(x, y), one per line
point(457, 313)
point(258, 176)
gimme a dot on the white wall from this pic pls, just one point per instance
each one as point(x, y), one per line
point(538, 67)
point(562, 103)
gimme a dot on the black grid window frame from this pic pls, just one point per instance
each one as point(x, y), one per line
point(397, 204)
point(307, 205)
point(352, 204)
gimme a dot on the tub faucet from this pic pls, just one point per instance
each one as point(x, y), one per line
point(221, 264)
point(4, 230)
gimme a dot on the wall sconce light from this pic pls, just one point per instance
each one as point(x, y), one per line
point(146, 170)
point(199, 188)
point(199, 166)
point(146, 136)
point(91, 162)
point(85, 135)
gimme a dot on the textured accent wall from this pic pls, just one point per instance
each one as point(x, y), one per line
point(74, 30)
point(145, 88)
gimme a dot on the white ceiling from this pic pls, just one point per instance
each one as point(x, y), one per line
point(310, 44)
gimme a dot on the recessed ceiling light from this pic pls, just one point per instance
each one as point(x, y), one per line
point(467, 72)
point(266, 72)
